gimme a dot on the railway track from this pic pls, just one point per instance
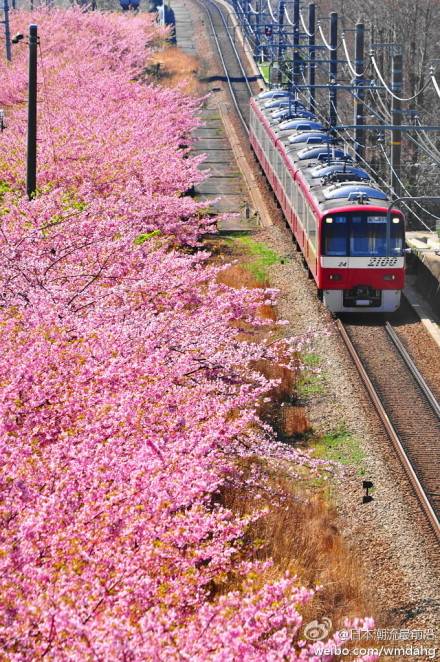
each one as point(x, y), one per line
point(405, 404)
point(238, 81)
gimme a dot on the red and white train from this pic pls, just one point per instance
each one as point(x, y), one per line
point(353, 246)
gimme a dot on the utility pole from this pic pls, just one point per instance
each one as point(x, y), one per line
point(359, 120)
point(280, 35)
point(296, 9)
point(311, 26)
point(7, 30)
point(396, 119)
point(31, 169)
point(333, 69)
point(257, 28)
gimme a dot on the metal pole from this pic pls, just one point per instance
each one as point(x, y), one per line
point(280, 37)
point(311, 26)
point(333, 68)
point(31, 171)
point(7, 31)
point(296, 9)
point(359, 120)
point(396, 119)
point(257, 28)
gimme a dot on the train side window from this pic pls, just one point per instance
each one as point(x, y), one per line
point(295, 197)
point(300, 206)
point(335, 231)
point(290, 186)
point(312, 227)
point(284, 176)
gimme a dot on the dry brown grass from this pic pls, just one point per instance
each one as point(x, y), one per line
point(238, 277)
point(294, 421)
point(299, 533)
point(176, 68)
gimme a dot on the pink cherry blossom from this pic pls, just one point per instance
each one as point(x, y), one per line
point(127, 394)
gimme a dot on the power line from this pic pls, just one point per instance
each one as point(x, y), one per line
point(352, 69)
point(373, 60)
point(437, 218)
point(427, 138)
point(436, 86)
point(325, 42)
point(270, 11)
point(309, 34)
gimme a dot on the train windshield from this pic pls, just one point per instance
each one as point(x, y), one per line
point(363, 235)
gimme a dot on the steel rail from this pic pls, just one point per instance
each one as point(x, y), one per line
point(401, 453)
point(413, 369)
point(206, 7)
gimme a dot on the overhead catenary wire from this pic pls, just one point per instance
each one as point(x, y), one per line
point(376, 175)
point(288, 19)
point(408, 136)
point(389, 90)
point(270, 11)
point(324, 40)
point(428, 139)
point(350, 66)
point(436, 85)
point(309, 34)
point(376, 94)
point(426, 211)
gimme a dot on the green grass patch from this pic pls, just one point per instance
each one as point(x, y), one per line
point(341, 446)
point(311, 360)
point(260, 257)
point(309, 385)
point(265, 70)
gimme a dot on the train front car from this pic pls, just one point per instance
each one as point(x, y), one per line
point(352, 245)
point(361, 264)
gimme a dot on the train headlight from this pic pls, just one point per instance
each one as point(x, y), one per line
point(335, 277)
point(396, 219)
point(389, 277)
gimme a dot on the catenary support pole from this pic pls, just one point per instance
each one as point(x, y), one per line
point(31, 170)
point(7, 30)
point(280, 35)
point(257, 29)
point(359, 109)
point(333, 68)
point(296, 61)
point(311, 26)
point(396, 119)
